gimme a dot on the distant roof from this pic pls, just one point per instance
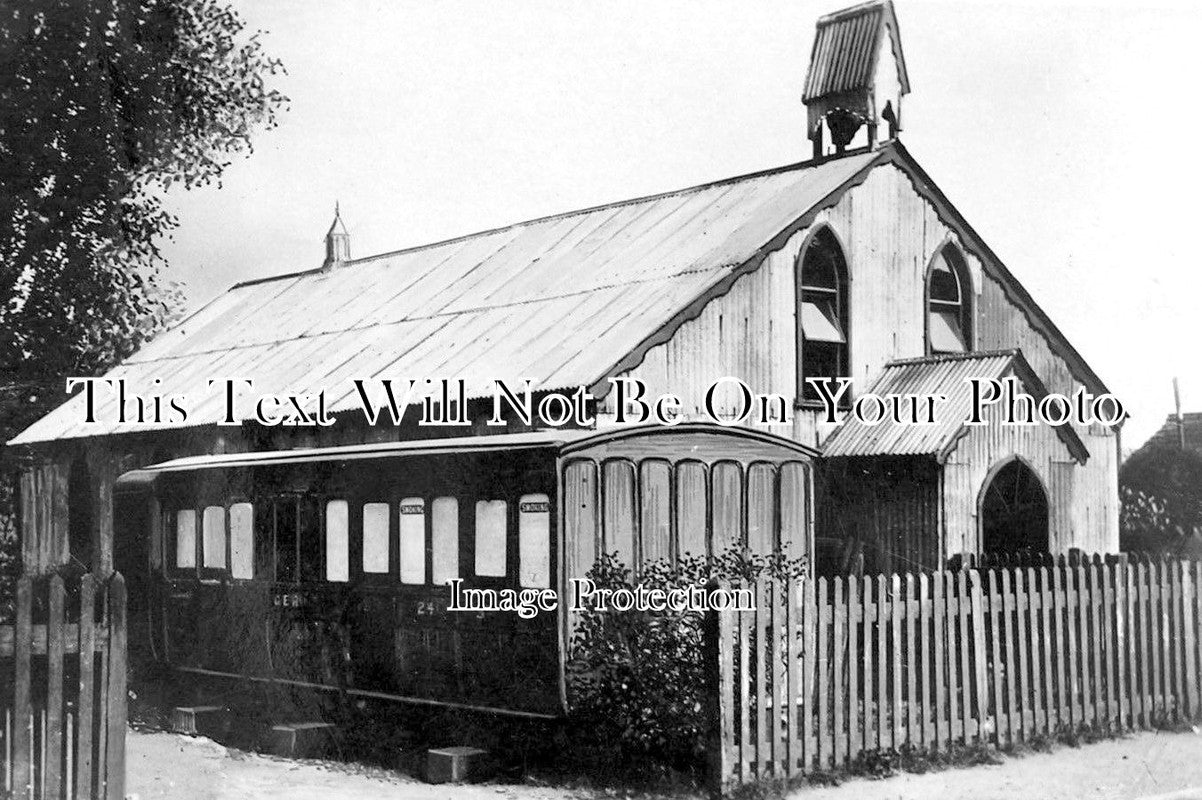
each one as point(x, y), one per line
point(846, 47)
point(1169, 434)
point(946, 375)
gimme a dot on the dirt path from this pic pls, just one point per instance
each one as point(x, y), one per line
point(1165, 766)
point(1146, 766)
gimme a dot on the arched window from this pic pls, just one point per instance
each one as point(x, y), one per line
point(949, 303)
point(822, 313)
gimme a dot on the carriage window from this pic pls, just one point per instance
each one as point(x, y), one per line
point(413, 540)
point(337, 541)
point(445, 529)
point(534, 540)
point(375, 537)
point(242, 541)
point(285, 539)
point(308, 540)
point(490, 538)
point(185, 539)
point(264, 541)
point(213, 533)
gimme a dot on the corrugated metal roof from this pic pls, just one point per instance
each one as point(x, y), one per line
point(846, 44)
point(946, 375)
point(559, 300)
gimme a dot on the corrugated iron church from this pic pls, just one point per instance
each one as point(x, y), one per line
point(850, 264)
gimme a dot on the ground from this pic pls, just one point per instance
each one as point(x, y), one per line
point(1145, 765)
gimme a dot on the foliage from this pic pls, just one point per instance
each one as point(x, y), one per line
point(104, 104)
point(636, 679)
point(1161, 493)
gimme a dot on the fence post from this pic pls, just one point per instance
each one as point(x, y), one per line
point(978, 631)
point(22, 698)
point(116, 712)
point(719, 681)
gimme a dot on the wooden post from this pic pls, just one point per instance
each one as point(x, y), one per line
point(22, 770)
point(115, 714)
point(102, 468)
point(978, 629)
point(719, 666)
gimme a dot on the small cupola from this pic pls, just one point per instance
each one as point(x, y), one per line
point(338, 242)
point(857, 77)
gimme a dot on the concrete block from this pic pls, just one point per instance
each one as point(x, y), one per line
point(210, 721)
point(454, 764)
point(302, 739)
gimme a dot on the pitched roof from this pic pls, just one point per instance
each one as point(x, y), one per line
point(558, 300)
point(846, 47)
point(567, 300)
point(946, 375)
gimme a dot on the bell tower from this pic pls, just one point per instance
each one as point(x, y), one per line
point(856, 80)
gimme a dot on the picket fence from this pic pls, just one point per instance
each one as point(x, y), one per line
point(62, 691)
point(824, 672)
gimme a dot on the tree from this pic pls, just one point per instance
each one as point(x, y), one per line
point(1161, 493)
point(104, 105)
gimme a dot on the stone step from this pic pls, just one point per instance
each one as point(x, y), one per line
point(212, 721)
point(455, 764)
point(302, 739)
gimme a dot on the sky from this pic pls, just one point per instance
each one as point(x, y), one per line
point(1062, 131)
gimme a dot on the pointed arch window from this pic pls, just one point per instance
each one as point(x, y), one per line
point(949, 303)
point(822, 329)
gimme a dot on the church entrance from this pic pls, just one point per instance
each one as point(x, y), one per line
point(1014, 511)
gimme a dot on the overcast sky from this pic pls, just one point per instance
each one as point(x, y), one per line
point(1063, 132)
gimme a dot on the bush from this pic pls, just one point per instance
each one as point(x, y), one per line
point(1161, 493)
point(636, 679)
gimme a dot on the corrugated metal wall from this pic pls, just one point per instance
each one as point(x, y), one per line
point(890, 234)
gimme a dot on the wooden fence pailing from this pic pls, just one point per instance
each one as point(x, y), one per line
point(825, 670)
point(62, 691)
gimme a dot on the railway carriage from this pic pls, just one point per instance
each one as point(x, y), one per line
point(328, 568)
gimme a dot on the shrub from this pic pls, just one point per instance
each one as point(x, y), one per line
point(636, 679)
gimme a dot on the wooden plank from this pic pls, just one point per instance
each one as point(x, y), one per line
point(87, 639)
point(868, 627)
point(1034, 599)
point(1060, 641)
point(963, 682)
point(1106, 574)
point(1011, 673)
point(855, 726)
point(22, 770)
point(1045, 679)
point(1176, 636)
point(926, 712)
point(116, 711)
point(1024, 602)
point(1122, 642)
point(825, 740)
point(939, 615)
point(884, 732)
point(778, 603)
point(838, 664)
point(997, 678)
point(719, 678)
point(1144, 610)
point(895, 612)
point(1097, 693)
point(746, 620)
point(792, 689)
point(1072, 588)
point(1155, 638)
point(52, 766)
point(913, 735)
point(808, 663)
point(1189, 623)
point(761, 699)
point(980, 666)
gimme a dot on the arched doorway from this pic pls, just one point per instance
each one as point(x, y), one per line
point(1014, 511)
